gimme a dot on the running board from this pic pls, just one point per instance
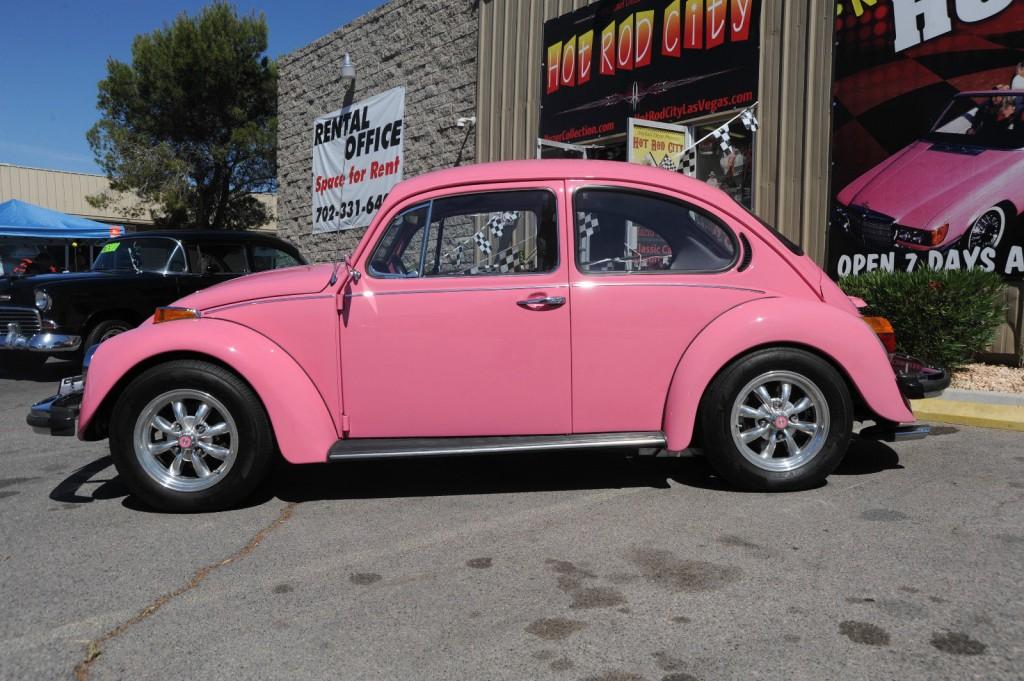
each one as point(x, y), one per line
point(402, 448)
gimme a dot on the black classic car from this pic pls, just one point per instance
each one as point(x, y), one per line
point(62, 314)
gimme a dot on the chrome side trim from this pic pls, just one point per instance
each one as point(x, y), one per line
point(401, 448)
point(371, 294)
point(600, 284)
point(267, 301)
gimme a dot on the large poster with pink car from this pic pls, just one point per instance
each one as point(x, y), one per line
point(928, 136)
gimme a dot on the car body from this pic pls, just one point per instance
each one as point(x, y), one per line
point(555, 304)
point(132, 276)
point(958, 186)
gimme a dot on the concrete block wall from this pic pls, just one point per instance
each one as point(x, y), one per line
point(428, 46)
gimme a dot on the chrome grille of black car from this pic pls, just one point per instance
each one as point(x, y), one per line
point(874, 229)
point(26, 318)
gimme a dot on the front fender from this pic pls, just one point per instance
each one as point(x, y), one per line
point(301, 420)
point(841, 336)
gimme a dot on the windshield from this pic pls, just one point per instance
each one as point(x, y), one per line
point(153, 254)
point(989, 121)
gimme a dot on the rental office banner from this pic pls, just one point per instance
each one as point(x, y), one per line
point(660, 60)
point(928, 136)
point(357, 159)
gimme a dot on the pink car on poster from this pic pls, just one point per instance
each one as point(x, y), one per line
point(959, 186)
point(529, 305)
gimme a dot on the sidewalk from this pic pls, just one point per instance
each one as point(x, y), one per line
point(974, 408)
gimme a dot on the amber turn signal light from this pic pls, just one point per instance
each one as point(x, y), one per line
point(170, 314)
point(883, 329)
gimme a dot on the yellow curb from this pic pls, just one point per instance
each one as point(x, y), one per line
point(1004, 416)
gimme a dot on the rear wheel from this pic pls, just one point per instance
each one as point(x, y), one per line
point(777, 420)
point(190, 436)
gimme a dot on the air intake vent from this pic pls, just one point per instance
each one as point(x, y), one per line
point(747, 255)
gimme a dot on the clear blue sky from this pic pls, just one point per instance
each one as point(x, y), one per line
point(52, 54)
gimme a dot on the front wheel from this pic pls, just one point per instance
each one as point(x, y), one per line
point(987, 230)
point(777, 420)
point(189, 435)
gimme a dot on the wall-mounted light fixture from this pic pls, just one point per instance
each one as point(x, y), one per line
point(464, 121)
point(348, 71)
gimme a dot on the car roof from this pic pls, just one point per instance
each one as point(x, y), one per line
point(550, 169)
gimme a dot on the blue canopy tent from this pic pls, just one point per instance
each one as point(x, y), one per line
point(21, 219)
point(29, 232)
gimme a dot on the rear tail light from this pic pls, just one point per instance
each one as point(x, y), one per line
point(883, 329)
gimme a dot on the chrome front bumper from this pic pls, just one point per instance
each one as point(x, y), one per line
point(38, 342)
point(58, 415)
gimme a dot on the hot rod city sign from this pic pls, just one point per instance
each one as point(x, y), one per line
point(628, 43)
point(657, 60)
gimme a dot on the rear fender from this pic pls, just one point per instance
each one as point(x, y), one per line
point(300, 417)
point(835, 333)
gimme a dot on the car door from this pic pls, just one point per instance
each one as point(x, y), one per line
point(459, 324)
point(650, 271)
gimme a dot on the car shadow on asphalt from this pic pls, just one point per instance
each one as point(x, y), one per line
point(50, 372)
point(498, 474)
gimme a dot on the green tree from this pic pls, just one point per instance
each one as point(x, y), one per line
point(190, 125)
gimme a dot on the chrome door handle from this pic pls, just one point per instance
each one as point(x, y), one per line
point(550, 301)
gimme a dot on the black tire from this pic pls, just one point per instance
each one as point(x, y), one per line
point(104, 330)
point(255, 449)
point(716, 416)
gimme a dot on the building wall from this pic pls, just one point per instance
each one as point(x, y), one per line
point(430, 47)
point(65, 192)
point(791, 157)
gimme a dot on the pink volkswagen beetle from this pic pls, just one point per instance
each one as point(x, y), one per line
point(536, 305)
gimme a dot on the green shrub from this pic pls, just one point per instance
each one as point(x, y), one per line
point(942, 317)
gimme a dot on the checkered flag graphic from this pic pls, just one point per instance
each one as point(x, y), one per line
point(749, 121)
point(688, 162)
point(667, 163)
point(588, 224)
point(722, 135)
point(483, 244)
point(499, 221)
point(509, 263)
point(459, 252)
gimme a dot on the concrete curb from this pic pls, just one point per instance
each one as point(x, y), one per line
point(977, 412)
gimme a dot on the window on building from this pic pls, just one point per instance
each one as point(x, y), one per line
point(631, 232)
point(731, 170)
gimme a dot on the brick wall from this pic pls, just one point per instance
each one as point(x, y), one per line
point(430, 47)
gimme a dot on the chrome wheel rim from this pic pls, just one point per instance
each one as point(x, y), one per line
point(780, 421)
point(186, 440)
point(988, 229)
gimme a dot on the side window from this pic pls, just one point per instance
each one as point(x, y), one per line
point(269, 258)
point(631, 232)
point(514, 232)
point(399, 252)
point(222, 258)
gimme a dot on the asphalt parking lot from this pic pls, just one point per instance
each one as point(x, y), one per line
point(908, 564)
